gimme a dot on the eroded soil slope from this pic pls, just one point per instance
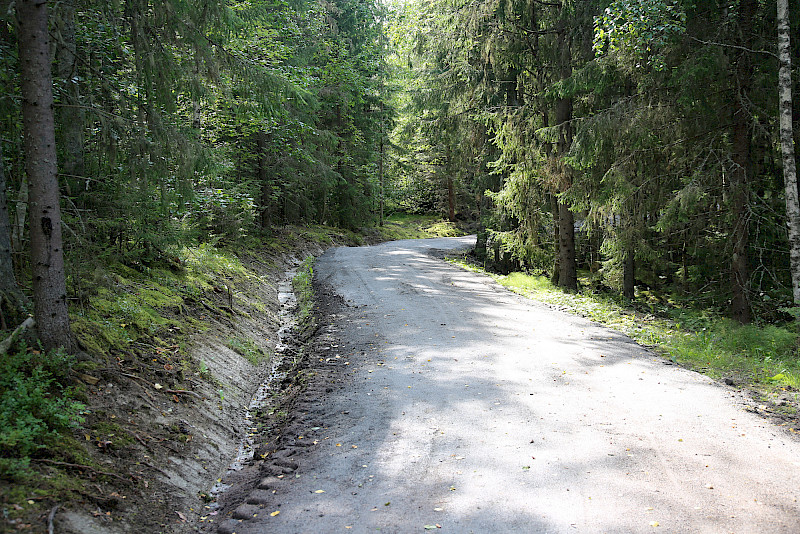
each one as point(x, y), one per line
point(165, 420)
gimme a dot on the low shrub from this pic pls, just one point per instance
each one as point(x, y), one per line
point(34, 405)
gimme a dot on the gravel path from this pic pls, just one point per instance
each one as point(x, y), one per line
point(460, 407)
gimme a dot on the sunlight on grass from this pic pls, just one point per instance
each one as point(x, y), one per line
point(403, 226)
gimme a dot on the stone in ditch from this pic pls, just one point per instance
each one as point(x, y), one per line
point(246, 511)
point(269, 483)
point(259, 496)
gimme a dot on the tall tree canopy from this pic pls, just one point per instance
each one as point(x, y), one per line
point(634, 141)
point(177, 122)
point(630, 144)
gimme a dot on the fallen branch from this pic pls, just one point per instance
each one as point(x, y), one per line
point(141, 440)
point(151, 466)
point(80, 466)
point(50, 517)
point(6, 343)
point(183, 392)
point(133, 376)
point(141, 386)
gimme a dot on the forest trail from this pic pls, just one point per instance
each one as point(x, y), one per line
point(461, 407)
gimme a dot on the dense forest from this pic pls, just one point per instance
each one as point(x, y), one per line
point(182, 122)
point(636, 141)
point(637, 151)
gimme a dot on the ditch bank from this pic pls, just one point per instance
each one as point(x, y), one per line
point(181, 429)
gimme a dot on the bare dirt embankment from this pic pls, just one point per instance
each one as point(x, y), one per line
point(172, 378)
point(175, 424)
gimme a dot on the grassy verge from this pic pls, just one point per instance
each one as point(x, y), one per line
point(404, 226)
point(247, 348)
point(760, 357)
point(302, 285)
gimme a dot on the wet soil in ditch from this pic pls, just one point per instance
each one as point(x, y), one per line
point(291, 423)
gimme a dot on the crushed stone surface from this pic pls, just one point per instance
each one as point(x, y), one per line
point(442, 402)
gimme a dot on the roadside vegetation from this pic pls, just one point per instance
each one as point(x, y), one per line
point(189, 145)
point(302, 285)
point(407, 226)
point(133, 324)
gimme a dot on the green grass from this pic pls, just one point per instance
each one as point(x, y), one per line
point(302, 285)
point(763, 357)
point(248, 348)
point(123, 312)
point(405, 226)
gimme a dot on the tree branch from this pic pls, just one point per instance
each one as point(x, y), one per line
point(737, 47)
point(6, 344)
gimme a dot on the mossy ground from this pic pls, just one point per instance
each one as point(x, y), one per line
point(404, 226)
point(135, 325)
point(248, 348)
point(302, 288)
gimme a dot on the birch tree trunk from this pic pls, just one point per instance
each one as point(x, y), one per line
point(787, 145)
point(38, 125)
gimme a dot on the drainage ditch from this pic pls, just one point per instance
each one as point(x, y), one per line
point(286, 350)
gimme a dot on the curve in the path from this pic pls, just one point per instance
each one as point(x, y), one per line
point(469, 409)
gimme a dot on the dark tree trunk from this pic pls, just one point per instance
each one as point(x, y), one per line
point(47, 255)
point(451, 199)
point(71, 116)
point(568, 273)
point(740, 270)
point(556, 240)
point(449, 185)
point(740, 183)
point(14, 302)
point(381, 157)
point(265, 210)
point(628, 274)
point(567, 270)
point(684, 268)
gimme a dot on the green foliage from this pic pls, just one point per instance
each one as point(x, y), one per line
point(763, 356)
point(206, 262)
point(409, 226)
point(633, 138)
point(124, 305)
point(192, 122)
point(302, 285)
point(639, 29)
point(34, 406)
point(529, 284)
point(248, 348)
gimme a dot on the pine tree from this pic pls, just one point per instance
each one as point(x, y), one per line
point(47, 252)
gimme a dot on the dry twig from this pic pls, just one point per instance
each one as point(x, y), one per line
point(183, 392)
point(50, 517)
point(80, 466)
